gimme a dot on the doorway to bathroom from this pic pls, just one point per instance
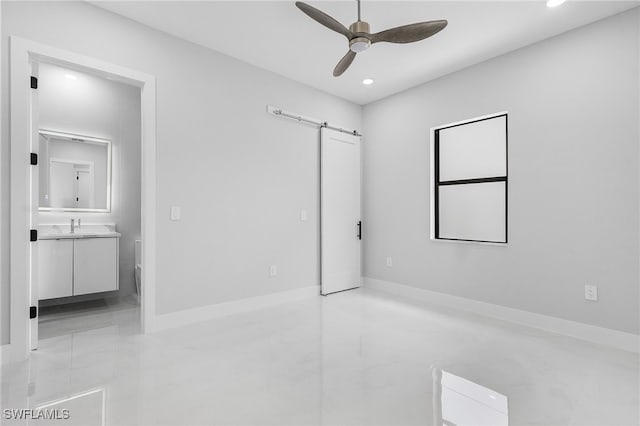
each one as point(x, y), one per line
point(87, 128)
point(88, 187)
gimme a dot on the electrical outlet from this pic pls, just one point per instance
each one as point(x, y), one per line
point(591, 293)
point(273, 270)
point(304, 215)
point(389, 262)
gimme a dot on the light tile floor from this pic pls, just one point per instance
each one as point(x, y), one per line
point(351, 358)
point(73, 318)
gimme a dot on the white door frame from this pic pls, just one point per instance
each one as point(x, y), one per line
point(22, 53)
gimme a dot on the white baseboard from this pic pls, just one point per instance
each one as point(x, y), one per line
point(190, 316)
point(591, 333)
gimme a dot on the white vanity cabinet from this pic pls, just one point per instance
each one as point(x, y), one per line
point(75, 266)
point(95, 265)
point(55, 268)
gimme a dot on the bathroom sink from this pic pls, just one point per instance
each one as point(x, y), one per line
point(57, 232)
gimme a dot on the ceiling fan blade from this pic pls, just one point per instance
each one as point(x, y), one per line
point(344, 63)
point(409, 33)
point(324, 19)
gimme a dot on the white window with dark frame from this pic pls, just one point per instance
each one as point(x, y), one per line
point(469, 180)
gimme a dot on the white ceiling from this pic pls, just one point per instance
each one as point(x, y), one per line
point(276, 36)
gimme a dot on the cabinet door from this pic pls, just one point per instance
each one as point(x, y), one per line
point(55, 268)
point(95, 265)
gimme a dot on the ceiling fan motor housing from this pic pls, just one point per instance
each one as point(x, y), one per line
point(360, 42)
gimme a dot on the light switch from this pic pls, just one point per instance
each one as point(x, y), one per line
point(304, 215)
point(175, 213)
point(591, 292)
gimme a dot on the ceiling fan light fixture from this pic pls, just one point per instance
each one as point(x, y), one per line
point(359, 44)
point(554, 3)
point(360, 36)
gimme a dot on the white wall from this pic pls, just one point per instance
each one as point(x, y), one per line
point(240, 175)
point(573, 104)
point(95, 106)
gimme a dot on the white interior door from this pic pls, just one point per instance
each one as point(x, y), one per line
point(84, 191)
point(340, 211)
point(62, 193)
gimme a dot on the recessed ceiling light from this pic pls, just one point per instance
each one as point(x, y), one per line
point(367, 81)
point(554, 3)
point(71, 76)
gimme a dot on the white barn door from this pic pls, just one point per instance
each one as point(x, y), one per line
point(341, 226)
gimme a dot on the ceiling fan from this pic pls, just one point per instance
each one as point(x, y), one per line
point(360, 39)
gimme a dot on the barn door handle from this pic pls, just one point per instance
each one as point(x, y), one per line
point(359, 230)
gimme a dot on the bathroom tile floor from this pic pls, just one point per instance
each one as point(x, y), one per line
point(88, 315)
point(357, 357)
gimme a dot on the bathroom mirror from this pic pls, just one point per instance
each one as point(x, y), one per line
point(75, 172)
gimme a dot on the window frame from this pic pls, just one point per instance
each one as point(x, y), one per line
point(436, 183)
